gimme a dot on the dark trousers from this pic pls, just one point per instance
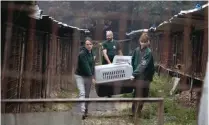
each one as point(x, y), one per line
point(105, 89)
point(141, 90)
point(104, 60)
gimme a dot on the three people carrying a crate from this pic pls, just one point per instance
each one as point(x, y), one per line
point(142, 63)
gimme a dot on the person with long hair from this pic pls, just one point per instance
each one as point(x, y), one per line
point(143, 70)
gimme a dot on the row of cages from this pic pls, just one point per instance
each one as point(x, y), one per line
point(35, 64)
point(176, 53)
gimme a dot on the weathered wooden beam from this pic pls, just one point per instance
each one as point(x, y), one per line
point(187, 47)
point(7, 52)
point(181, 73)
point(122, 27)
point(76, 100)
point(29, 64)
point(183, 20)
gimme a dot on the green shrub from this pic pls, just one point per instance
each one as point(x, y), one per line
point(174, 113)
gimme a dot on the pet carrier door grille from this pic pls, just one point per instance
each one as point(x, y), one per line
point(114, 74)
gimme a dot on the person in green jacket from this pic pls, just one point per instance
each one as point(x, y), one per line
point(143, 70)
point(84, 73)
point(110, 48)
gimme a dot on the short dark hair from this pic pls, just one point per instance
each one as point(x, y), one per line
point(88, 39)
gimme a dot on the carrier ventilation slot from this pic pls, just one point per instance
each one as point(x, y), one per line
point(113, 74)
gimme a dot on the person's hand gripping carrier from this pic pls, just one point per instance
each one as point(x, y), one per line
point(115, 78)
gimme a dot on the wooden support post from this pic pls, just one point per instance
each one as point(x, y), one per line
point(122, 27)
point(21, 67)
point(187, 47)
point(99, 27)
point(205, 45)
point(161, 113)
point(7, 52)
point(29, 65)
point(48, 65)
point(191, 89)
point(53, 47)
point(136, 116)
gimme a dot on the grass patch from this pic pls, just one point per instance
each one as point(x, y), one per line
point(174, 113)
point(62, 106)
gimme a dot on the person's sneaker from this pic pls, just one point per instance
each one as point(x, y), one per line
point(83, 117)
point(109, 96)
point(85, 114)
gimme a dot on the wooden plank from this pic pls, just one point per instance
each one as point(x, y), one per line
point(183, 21)
point(7, 52)
point(187, 60)
point(22, 66)
point(76, 100)
point(205, 46)
point(180, 72)
point(122, 27)
point(29, 65)
point(161, 113)
point(99, 30)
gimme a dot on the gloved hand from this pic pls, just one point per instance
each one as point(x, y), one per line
point(93, 81)
point(132, 77)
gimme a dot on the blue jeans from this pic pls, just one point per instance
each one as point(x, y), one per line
point(84, 87)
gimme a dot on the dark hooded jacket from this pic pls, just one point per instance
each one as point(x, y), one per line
point(85, 65)
point(143, 64)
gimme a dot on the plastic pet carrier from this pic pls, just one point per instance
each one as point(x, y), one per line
point(113, 72)
point(113, 79)
point(122, 59)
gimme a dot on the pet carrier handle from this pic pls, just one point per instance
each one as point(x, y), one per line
point(121, 63)
point(132, 77)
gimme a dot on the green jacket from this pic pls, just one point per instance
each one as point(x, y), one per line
point(143, 64)
point(111, 46)
point(85, 65)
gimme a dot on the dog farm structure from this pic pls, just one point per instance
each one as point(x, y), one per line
point(37, 54)
point(38, 51)
point(180, 47)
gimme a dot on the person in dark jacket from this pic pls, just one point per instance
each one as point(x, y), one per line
point(143, 70)
point(84, 74)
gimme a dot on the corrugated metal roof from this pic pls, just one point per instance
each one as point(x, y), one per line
point(65, 25)
point(182, 17)
point(137, 31)
point(37, 12)
point(39, 16)
point(193, 10)
point(172, 22)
